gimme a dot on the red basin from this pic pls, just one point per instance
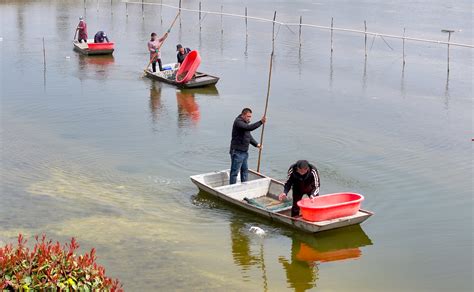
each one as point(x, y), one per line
point(100, 46)
point(188, 68)
point(330, 206)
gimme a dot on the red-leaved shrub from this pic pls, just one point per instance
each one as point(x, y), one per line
point(50, 266)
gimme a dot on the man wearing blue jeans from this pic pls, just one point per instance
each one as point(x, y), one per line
point(239, 145)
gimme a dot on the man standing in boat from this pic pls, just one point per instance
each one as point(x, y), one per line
point(154, 46)
point(182, 53)
point(239, 145)
point(303, 177)
point(82, 29)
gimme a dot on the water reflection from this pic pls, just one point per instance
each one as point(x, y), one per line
point(156, 106)
point(188, 109)
point(98, 65)
point(308, 251)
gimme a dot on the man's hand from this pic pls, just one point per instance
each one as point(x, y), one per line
point(282, 197)
point(263, 119)
point(259, 146)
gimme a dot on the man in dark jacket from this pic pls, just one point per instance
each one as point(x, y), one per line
point(100, 37)
point(239, 145)
point(304, 178)
point(182, 53)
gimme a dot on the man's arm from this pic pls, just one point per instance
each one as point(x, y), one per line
point(288, 185)
point(163, 38)
point(151, 48)
point(289, 182)
point(107, 39)
point(316, 183)
point(253, 142)
point(248, 127)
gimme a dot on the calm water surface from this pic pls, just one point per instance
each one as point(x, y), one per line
point(91, 149)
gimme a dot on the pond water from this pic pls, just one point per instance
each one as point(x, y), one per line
point(91, 149)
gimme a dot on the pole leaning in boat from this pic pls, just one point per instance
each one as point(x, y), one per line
point(268, 93)
point(159, 47)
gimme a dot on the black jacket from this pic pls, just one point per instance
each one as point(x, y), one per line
point(100, 37)
point(181, 57)
point(241, 137)
point(303, 184)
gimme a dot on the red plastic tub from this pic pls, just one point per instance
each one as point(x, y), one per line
point(100, 46)
point(189, 67)
point(330, 206)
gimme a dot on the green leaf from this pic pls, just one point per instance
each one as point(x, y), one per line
point(27, 280)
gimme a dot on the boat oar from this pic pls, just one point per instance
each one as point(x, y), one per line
point(159, 47)
point(268, 92)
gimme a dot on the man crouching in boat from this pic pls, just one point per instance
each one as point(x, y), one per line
point(100, 37)
point(239, 145)
point(304, 178)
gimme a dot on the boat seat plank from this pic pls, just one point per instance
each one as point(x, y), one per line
point(250, 189)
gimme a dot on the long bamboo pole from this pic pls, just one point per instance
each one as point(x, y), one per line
point(268, 93)
point(159, 47)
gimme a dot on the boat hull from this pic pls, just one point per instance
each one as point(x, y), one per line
point(200, 79)
point(92, 48)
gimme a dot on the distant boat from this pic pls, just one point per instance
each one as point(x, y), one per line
point(168, 75)
point(91, 48)
point(260, 195)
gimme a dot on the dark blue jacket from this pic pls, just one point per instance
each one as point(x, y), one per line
point(100, 37)
point(241, 137)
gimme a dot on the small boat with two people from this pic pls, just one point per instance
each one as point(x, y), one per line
point(259, 195)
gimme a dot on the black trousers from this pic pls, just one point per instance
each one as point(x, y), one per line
point(295, 210)
point(160, 66)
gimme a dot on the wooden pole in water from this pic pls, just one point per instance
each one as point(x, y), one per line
point(222, 27)
point(111, 8)
point(179, 13)
point(365, 37)
point(97, 5)
point(246, 24)
point(44, 56)
point(301, 21)
point(199, 16)
point(404, 29)
point(268, 93)
point(84, 5)
point(143, 10)
point(126, 9)
point(332, 26)
point(161, 11)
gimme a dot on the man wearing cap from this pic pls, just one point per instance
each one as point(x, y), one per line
point(100, 37)
point(82, 28)
point(182, 53)
point(154, 46)
point(303, 177)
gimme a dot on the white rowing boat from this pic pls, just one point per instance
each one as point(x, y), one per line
point(260, 195)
